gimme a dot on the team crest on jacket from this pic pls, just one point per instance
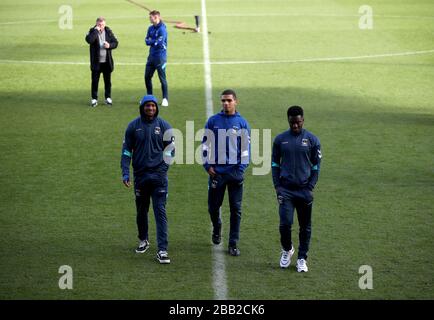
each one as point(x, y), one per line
point(157, 130)
point(304, 142)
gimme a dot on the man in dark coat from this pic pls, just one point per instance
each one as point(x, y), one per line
point(102, 41)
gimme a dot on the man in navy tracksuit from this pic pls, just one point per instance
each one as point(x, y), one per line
point(295, 165)
point(226, 146)
point(156, 38)
point(150, 144)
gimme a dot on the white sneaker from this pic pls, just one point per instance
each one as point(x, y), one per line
point(165, 103)
point(285, 258)
point(109, 101)
point(301, 265)
point(93, 103)
point(163, 257)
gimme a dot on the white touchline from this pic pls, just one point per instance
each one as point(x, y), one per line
point(325, 59)
point(206, 63)
point(219, 272)
point(228, 15)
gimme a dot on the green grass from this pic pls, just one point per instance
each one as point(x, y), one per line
point(62, 202)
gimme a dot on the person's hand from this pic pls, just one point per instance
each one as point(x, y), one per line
point(212, 172)
point(126, 181)
point(278, 190)
point(106, 45)
point(310, 192)
point(97, 28)
point(279, 195)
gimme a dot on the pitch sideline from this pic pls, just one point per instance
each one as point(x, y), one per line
point(325, 59)
point(219, 268)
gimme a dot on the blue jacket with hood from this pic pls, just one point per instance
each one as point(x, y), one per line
point(226, 146)
point(148, 143)
point(156, 38)
point(296, 160)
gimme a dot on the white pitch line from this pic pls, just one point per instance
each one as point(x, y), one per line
point(384, 55)
point(326, 59)
point(227, 15)
point(219, 268)
point(206, 63)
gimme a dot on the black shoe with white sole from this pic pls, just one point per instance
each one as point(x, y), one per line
point(163, 257)
point(143, 246)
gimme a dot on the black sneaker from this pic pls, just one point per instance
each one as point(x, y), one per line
point(216, 235)
point(234, 251)
point(143, 246)
point(163, 257)
point(216, 238)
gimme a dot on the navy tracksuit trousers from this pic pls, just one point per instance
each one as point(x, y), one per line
point(155, 186)
point(158, 64)
point(216, 192)
point(299, 199)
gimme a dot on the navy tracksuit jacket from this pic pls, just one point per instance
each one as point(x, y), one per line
point(226, 147)
point(296, 160)
point(156, 39)
point(145, 145)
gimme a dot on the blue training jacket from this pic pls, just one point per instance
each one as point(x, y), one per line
point(226, 143)
point(156, 38)
point(296, 160)
point(144, 144)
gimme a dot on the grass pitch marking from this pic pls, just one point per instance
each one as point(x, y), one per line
point(219, 268)
point(325, 59)
point(230, 15)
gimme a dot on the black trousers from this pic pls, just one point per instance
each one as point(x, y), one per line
point(300, 200)
point(104, 68)
point(152, 186)
point(159, 65)
point(216, 192)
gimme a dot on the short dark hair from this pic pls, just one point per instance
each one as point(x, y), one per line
point(295, 111)
point(229, 92)
point(154, 13)
point(100, 19)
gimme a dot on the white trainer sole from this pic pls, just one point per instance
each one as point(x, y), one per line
point(291, 253)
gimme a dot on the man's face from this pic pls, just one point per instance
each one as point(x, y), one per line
point(154, 19)
point(101, 25)
point(150, 109)
point(229, 103)
point(296, 123)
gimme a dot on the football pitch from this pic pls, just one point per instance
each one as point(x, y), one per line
point(367, 92)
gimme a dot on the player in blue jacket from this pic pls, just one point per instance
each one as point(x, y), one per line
point(156, 39)
point(149, 143)
point(226, 146)
point(295, 166)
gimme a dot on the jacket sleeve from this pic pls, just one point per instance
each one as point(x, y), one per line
point(168, 143)
point(275, 163)
point(245, 146)
point(91, 36)
point(207, 144)
point(148, 39)
point(113, 41)
point(127, 152)
point(161, 38)
point(315, 158)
